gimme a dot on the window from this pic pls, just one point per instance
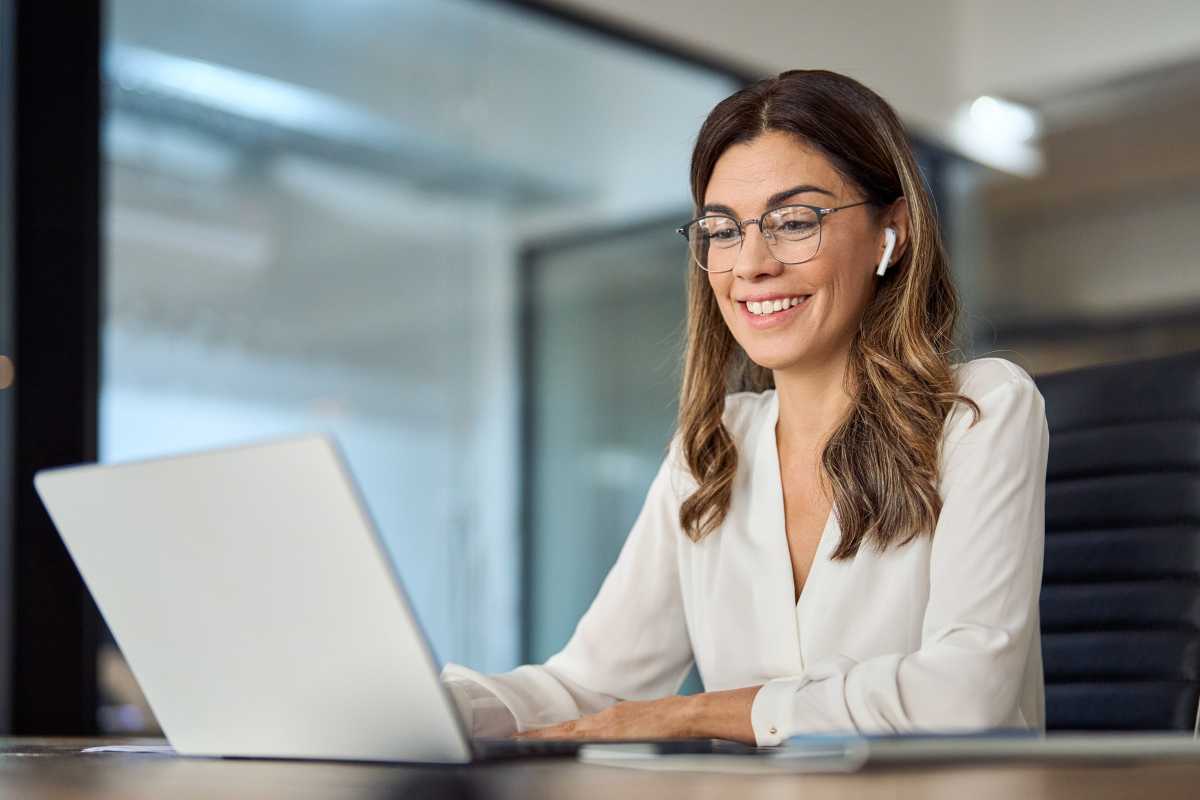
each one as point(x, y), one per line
point(313, 222)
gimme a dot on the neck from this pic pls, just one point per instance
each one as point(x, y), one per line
point(813, 401)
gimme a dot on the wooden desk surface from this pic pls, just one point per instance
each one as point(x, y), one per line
point(32, 769)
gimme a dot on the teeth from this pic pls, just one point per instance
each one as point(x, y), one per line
point(762, 309)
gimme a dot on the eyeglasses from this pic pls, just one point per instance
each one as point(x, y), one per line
point(793, 235)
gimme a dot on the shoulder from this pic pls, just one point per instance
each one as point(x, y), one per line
point(1005, 449)
point(1005, 393)
point(980, 376)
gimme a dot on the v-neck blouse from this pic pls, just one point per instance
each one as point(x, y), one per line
point(939, 634)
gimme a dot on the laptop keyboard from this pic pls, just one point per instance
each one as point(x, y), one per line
point(489, 748)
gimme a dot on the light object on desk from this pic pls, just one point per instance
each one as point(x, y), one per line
point(7, 372)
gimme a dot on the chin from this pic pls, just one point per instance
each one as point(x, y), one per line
point(771, 359)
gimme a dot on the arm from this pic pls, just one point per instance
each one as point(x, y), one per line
point(632, 644)
point(981, 615)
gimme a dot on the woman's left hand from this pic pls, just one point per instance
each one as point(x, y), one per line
point(667, 718)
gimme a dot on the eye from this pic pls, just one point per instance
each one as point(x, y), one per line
point(716, 230)
point(794, 222)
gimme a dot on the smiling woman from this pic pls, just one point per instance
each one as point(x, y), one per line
point(846, 531)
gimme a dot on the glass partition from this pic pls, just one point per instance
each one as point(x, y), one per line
point(313, 222)
point(604, 345)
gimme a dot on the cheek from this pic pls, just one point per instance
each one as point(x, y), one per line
point(847, 271)
point(716, 281)
point(849, 289)
point(719, 283)
point(837, 294)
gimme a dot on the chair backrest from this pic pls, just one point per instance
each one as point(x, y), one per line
point(1120, 602)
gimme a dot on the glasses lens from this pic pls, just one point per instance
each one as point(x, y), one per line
point(795, 233)
point(714, 242)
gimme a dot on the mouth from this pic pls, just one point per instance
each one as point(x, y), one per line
point(770, 313)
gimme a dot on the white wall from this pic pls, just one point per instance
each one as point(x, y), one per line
point(928, 56)
point(904, 51)
point(1034, 48)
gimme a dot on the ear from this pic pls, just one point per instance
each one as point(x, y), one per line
point(896, 217)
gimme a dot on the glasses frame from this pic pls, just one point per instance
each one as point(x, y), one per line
point(820, 211)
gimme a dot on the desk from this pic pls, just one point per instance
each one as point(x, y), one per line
point(39, 769)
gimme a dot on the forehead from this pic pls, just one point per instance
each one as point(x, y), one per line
point(747, 174)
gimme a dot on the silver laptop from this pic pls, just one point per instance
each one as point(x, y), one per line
point(256, 605)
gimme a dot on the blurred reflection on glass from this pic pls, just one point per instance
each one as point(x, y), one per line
point(605, 334)
point(313, 222)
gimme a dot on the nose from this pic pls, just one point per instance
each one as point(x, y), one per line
point(755, 260)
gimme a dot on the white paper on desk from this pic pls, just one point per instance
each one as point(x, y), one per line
point(840, 754)
point(811, 754)
point(719, 762)
point(161, 749)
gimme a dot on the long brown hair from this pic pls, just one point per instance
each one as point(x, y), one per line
point(881, 462)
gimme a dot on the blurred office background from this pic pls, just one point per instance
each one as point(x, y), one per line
point(443, 230)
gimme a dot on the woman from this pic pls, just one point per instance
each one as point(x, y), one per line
point(851, 538)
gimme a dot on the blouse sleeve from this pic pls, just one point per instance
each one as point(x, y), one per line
point(631, 644)
point(982, 612)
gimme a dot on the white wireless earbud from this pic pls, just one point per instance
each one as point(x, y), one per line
point(885, 262)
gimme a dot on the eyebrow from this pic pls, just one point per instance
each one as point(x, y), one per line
point(778, 197)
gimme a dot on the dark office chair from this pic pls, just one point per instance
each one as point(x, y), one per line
point(1120, 601)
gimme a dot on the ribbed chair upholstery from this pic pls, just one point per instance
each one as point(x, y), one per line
point(1120, 602)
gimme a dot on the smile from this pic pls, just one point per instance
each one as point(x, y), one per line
point(767, 317)
point(772, 306)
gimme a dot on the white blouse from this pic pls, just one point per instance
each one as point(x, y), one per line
point(939, 634)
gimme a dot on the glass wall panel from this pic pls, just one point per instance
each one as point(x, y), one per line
point(313, 218)
point(606, 337)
